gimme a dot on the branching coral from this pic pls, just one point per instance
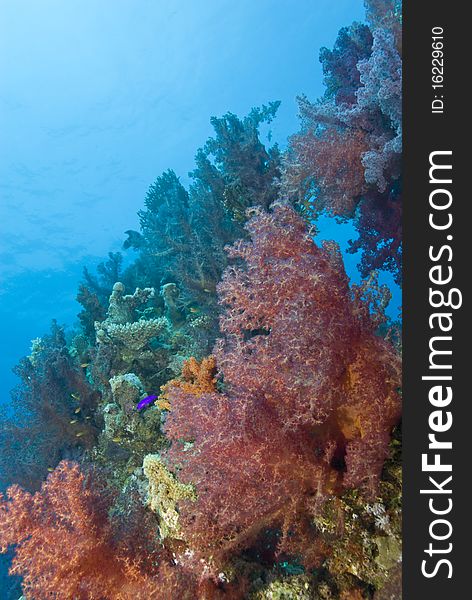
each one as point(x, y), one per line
point(310, 396)
point(183, 233)
point(235, 164)
point(53, 412)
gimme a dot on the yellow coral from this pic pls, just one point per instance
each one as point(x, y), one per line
point(164, 494)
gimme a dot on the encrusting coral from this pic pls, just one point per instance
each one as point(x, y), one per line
point(165, 491)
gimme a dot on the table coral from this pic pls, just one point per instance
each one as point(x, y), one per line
point(197, 378)
point(128, 339)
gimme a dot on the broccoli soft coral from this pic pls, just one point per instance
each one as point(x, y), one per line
point(64, 546)
point(346, 158)
point(310, 396)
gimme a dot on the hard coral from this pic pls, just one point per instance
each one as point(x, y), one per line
point(310, 396)
point(124, 328)
point(164, 493)
point(129, 339)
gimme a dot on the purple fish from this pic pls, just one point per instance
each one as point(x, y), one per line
point(146, 401)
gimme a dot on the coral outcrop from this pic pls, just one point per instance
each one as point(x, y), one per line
point(164, 494)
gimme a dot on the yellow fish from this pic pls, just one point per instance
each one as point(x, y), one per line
point(74, 421)
point(50, 469)
point(77, 410)
point(80, 434)
point(84, 365)
point(116, 439)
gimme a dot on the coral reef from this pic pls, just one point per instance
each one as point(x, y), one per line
point(130, 338)
point(197, 378)
point(64, 545)
point(231, 428)
point(53, 409)
point(126, 391)
point(164, 494)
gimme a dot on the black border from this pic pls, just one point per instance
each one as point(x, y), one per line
point(425, 132)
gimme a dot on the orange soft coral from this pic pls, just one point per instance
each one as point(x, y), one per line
point(63, 542)
point(197, 378)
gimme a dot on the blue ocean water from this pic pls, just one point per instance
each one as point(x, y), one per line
point(98, 98)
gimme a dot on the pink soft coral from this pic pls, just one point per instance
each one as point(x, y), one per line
point(310, 395)
point(346, 159)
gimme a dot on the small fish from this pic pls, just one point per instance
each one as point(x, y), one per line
point(88, 418)
point(116, 439)
point(207, 290)
point(194, 310)
point(80, 434)
point(84, 365)
point(74, 421)
point(145, 402)
point(77, 410)
point(75, 396)
point(50, 469)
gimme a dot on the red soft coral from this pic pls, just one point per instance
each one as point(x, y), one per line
point(63, 542)
point(310, 395)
